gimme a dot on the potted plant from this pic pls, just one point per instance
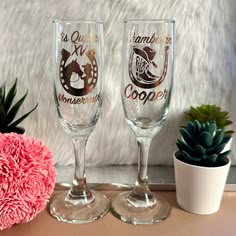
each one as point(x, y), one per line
point(208, 112)
point(8, 110)
point(201, 168)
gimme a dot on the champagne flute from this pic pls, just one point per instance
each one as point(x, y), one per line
point(147, 61)
point(78, 55)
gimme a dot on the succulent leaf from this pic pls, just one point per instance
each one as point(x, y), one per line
point(190, 158)
point(216, 149)
point(187, 137)
point(15, 123)
point(199, 150)
point(10, 97)
point(190, 127)
point(223, 155)
point(207, 112)
point(210, 160)
point(205, 139)
point(2, 95)
point(230, 132)
point(13, 111)
point(182, 146)
point(211, 128)
point(197, 126)
point(226, 138)
point(8, 110)
point(3, 115)
point(202, 143)
point(16, 129)
point(228, 122)
point(218, 137)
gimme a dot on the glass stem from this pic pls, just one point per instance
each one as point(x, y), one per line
point(144, 145)
point(79, 192)
point(141, 196)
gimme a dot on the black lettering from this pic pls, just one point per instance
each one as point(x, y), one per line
point(152, 40)
point(145, 39)
point(138, 40)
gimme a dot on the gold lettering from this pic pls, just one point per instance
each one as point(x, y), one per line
point(77, 101)
point(144, 96)
point(76, 38)
point(150, 39)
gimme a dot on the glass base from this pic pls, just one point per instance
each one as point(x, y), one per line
point(79, 213)
point(123, 210)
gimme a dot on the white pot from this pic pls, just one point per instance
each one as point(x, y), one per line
point(199, 189)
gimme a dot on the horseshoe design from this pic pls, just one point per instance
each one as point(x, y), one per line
point(91, 73)
point(148, 80)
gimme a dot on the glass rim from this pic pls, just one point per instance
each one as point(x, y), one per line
point(149, 21)
point(58, 20)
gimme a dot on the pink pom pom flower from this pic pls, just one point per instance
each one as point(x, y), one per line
point(27, 178)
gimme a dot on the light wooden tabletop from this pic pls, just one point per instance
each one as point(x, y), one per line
point(179, 223)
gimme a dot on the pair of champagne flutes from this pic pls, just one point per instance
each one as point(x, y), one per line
point(147, 77)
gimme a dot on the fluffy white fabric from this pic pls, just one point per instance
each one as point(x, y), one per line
point(205, 69)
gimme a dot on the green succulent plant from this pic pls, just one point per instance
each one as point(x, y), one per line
point(207, 113)
point(8, 110)
point(202, 144)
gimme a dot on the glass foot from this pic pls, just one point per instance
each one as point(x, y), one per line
point(79, 213)
point(123, 210)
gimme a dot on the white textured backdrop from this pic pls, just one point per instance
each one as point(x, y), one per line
point(205, 68)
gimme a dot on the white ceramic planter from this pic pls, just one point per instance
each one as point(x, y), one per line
point(199, 190)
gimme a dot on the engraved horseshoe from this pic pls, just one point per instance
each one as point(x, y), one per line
point(155, 83)
point(90, 72)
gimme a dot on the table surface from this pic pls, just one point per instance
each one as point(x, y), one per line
point(178, 223)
